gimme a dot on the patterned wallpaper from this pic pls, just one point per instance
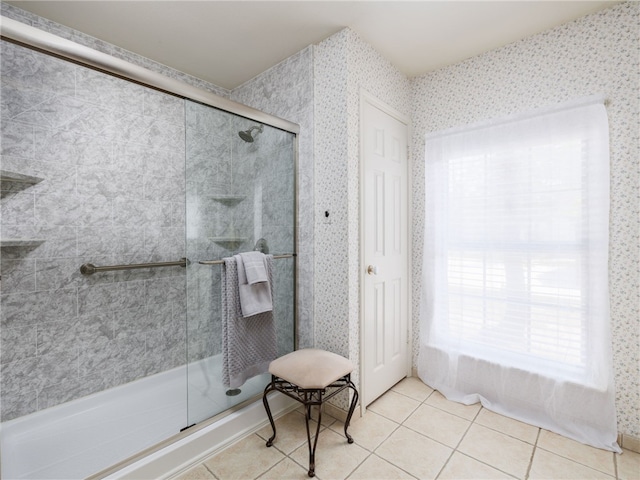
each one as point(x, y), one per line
point(344, 64)
point(595, 54)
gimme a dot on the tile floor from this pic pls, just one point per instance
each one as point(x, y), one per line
point(414, 432)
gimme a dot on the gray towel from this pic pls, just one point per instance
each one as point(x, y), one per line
point(254, 267)
point(248, 343)
point(254, 298)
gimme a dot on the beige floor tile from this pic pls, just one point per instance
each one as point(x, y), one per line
point(413, 387)
point(438, 425)
point(414, 453)
point(368, 431)
point(394, 406)
point(198, 472)
point(335, 458)
point(287, 469)
point(375, 468)
point(462, 467)
point(291, 432)
point(628, 465)
point(547, 466)
point(591, 457)
point(246, 459)
point(514, 428)
point(469, 412)
point(501, 451)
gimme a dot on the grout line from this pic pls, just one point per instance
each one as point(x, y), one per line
point(358, 465)
point(533, 453)
point(274, 466)
point(208, 470)
point(455, 449)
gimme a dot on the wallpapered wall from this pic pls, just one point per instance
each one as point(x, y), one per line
point(595, 54)
point(344, 64)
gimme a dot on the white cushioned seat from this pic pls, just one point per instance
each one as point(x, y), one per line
point(310, 376)
point(311, 368)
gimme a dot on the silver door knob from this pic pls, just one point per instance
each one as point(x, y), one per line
point(372, 269)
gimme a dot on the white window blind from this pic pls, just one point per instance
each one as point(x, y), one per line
point(516, 247)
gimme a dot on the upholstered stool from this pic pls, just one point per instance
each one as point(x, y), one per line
point(306, 375)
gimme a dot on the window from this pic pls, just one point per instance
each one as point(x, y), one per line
point(515, 280)
point(514, 261)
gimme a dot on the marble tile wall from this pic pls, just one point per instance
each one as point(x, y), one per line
point(111, 156)
point(259, 176)
point(287, 91)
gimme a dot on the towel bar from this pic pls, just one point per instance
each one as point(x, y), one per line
point(220, 262)
point(90, 268)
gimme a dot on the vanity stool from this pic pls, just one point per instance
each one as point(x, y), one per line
point(310, 376)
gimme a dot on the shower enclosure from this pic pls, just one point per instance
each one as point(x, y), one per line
point(239, 197)
point(121, 177)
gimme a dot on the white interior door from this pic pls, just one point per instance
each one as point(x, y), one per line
point(385, 250)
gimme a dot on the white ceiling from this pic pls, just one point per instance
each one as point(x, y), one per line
point(230, 42)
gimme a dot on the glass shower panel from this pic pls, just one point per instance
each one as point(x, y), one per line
point(240, 196)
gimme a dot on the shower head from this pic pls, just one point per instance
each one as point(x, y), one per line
point(246, 134)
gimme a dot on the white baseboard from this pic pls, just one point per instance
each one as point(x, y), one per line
point(629, 442)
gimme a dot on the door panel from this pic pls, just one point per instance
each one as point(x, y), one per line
point(385, 251)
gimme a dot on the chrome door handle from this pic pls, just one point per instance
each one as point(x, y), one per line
point(372, 269)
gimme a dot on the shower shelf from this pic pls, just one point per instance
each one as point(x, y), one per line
point(20, 242)
point(7, 176)
point(229, 199)
point(228, 240)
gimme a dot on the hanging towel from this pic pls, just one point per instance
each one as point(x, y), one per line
point(254, 298)
point(254, 267)
point(248, 343)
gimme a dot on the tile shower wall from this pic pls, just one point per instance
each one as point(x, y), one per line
point(111, 156)
point(597, 54)
point(286, 91)
point(237, 193)
point(129, 239)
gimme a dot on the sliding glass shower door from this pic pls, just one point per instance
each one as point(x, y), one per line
point(240, 197)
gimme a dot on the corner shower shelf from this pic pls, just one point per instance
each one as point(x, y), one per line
point(7, 176)
point(228, 240)
point(20, 242)
point(229, 199)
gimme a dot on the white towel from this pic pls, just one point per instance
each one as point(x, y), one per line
point(254, 267)
point(254, 298)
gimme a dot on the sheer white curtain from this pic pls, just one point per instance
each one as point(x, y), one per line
point(515, 307)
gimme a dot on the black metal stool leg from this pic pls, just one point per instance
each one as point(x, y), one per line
point(268, 389)
point(352, 408)
point(312, 449)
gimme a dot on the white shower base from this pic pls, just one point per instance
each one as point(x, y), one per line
point(90, 434)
